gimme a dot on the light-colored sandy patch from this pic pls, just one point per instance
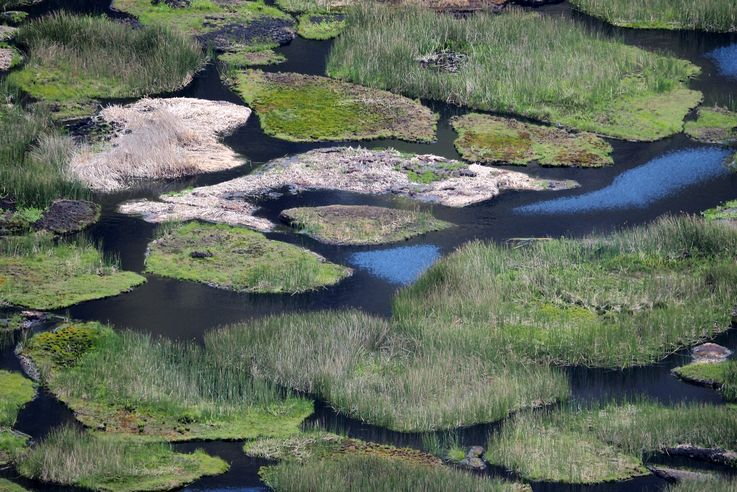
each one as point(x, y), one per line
point(160, 139)
point(6, 58)
point(342, 169)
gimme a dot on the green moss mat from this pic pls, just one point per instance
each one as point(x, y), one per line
point(71, 457)
point(623, 299)
point(607, 87)
point(305, 108)
point(491, 139)
point(713, 125)
point(47, 276)
point(725, 211)
point(243, 59)
point(346, 224)
point(722, 375)
point(131, 386)
point(705, 15)
point(10, 445)
point(238, 259)
point(321, 26)
point(8, 486)
point(17, 390)
point(605, 444)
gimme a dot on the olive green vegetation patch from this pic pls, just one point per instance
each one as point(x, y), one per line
point(128, 384)
point(13, 17)
point(725, 211)
point(8, 486)
point(607, 443)
point(713, 125)
point(7, 32)
point(722, 375)
point(38, 274)
point(69, 456)
point(17, 390)
point(11, 443)
point(245, 58)
point(238, 259)
point(492, 139)
point(716, 484)
point(608, 88)
point(360, 224)
point(321, 26)
point(306, 108)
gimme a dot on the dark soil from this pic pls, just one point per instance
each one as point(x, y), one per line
point(65, 216)
point(261, 30)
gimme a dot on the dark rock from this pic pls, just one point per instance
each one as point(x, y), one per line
point(714, 455)
point(260, 30)
point(7, 203)
point(445, 61)
point(710, 352)
point(65, 216)
point(200, 254)
point(677, 475)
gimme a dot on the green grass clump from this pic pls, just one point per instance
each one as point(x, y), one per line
point(321, 26)
point(704, 15)
point(571, 76)
point(368, 369)
point(722, 375)
point(607, 443)
point(131, 384)
point(73, 59)
point(358, 224)
point(34, 157)
point(725, 211)
point(238, 259)
point(623, 299)
point(11, 445)
point(69, 456)
point(246, 58)
point(373, 474)
point(713, 125)
point(721, 484)
point(305, 108)
point(16, 392)
point(491, 139)
point(8, 486)
point(39, 273)
point(302, 6)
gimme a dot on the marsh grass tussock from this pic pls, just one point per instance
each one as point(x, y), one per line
point(569, 75)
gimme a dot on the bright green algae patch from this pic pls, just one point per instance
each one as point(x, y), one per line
point(360, 224)
point(713, 125)
point(623, 299)
point(239, 259)
point(75, 59)
point(703, 15)
point(320, 461)
point(491, 139)
point(306, 108)
point(37, 273)
point(722, 375)
point(130, 384)
point(607, 443)
point(69, 456)
point(579, 80)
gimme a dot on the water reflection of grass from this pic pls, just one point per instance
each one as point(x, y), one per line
point(579, 79)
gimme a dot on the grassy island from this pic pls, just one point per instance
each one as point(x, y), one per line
point(713, 125)
point(16, 392)
point(37, 273)
point(704, 15)
point(726, 211)
point(306, 108)
point(721, 375)
point(73, 60)
point(239, 259)
point(570, 76)
point(360, 224)
point(491, 139)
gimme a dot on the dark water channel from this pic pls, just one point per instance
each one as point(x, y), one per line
point(182, 310)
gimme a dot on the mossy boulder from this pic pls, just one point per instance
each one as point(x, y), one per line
point(493, 139)
point(713, 125)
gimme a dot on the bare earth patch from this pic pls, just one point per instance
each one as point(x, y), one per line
point(160, 139)
point(351, 169)
point(6, 59)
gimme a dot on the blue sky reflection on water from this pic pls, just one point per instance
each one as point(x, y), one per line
point(643, 185)
point(726, 59)
point(402, 265)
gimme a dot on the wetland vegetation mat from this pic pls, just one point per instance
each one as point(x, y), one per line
point(713, 125)
point(727, 211)
point(321, 26)
point(571, 76)
point(8, 486)
point(238, 259)
point(624, 299)
point(721, 375)
point(69, 456)
point(154, 389)
point(607, 443)
point(73, 60)
point(39, 273)
point(17, 390)
point(361, 224)
point(703, 15)
point(308, 108)
point(492, 139)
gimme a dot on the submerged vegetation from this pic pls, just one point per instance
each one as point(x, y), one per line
point(76, 59)
point(623, 299)
point(129, 383)
point(570, 76)
point(69, 456)
point(38, 273)
point(361, 224)
point(239, 259)
point(306, 108)
point(702, 15)
point(491, 139)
